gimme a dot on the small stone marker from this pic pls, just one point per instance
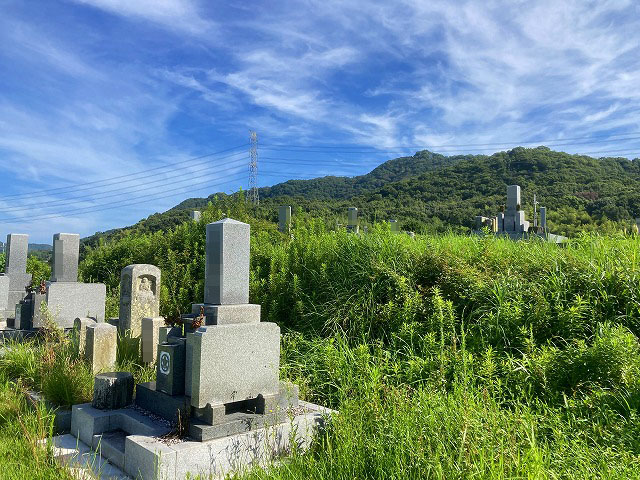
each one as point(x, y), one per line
point(543, 218)
point(113, 390)
point(101, 346)
point(395, 226)
point(226, 269)
point(66, 254)
point(150, 337)
point(353, 223)
point(139, 296)
point(80, 331)
point(171, 368)
point(196, 215)
point(284, 218)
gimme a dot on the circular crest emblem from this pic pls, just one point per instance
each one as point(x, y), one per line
point(165, 362)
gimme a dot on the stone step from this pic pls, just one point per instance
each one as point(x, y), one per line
point(111, 446)
point(82, 461)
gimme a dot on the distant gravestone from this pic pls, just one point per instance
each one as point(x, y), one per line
point(139, 296)
point(15, 279)
point(284, 218)
point(353, 223)
point(80, 332)
point(196, 215)
point(395, 226)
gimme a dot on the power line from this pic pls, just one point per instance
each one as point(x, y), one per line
point(110, 206)
point(608, 136)
point(37, 193)
point(253, 169)
point(110, 193)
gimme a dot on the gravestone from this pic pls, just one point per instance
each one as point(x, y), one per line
point(68, 299)
point(543, 218)
point(15, 279)
point(395, 226)
point(196, 215)
point(139, 296)
point(284, 218)
point(80, 331)
point(151, 337)
point(66, 253)
point(101, 346)
point(353, 223)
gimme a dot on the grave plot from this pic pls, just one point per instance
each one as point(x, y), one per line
point(217, 404)
point(65, 298)
point(511, 221)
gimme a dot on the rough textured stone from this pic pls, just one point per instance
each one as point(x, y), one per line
point(170, 368)
point(70, 300)
point(228, 314)
point(112, 390)
point(234, 362)
point(66, 253)
point(284, 218)
point(101, 346)
point(151, 338)
point(139, 296)
point(80, 332)
point(227, 263)
point(16, 255)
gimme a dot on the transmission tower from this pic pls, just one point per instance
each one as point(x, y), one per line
point(253, 168)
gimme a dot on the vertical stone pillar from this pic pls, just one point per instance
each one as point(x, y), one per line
point(80, 331)
point(196, 215)
point(66, 254)
point(227, 263)
point(151, 338)
point(395, 227)
point(284, 218)
point(17, 250)
point(101, 347)
point(139, 296)
point(543, 218)
point(353, 223)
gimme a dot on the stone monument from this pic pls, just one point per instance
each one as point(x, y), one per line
point(217, 375)
point(16, 280)
point(196, 215)
point(395, 226)
point(139, 296)
point(68, 299)
point(353, 222)
point(284, 218)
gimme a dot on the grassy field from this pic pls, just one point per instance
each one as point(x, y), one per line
point(447, 356)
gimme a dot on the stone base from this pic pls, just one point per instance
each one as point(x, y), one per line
point(161, 404)
point(70, 300)
point(227, 314)
point(125, 438)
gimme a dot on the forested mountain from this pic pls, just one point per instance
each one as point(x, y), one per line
point(433, 192)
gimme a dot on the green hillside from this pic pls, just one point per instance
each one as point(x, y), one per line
point(433, 192)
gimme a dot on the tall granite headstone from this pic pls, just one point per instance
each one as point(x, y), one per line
point(15, 279)
point(353, 223)
point(68, 299)
point(139, 296)
point(284, 218)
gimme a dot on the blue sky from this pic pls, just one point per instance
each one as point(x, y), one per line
point(97, 89)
